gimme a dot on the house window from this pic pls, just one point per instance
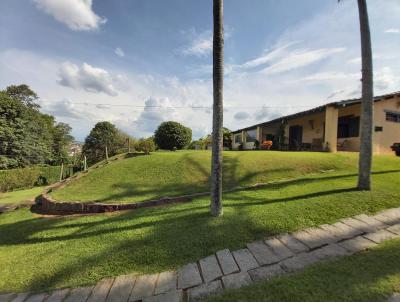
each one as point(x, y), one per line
point(270, 137)
point(348, 126)
point(251, 136)
point(238, 138)
point(393, 117)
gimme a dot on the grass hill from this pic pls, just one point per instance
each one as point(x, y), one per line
point(177, 173)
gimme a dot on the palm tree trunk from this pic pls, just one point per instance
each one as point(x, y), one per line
point(217, 135)
point(367, 104)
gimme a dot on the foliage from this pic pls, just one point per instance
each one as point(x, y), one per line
point(28, 136)
point(103, 134)
point(266, 145)
point(257, 144)
point(172, 134)
point(227, 136)
point(145, 145)
point(28, 177)
point(145, 240)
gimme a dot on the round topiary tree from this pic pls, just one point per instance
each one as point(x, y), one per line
point(172, 134)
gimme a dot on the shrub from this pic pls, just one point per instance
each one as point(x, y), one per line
point(145, 145)
point(172, 134)
point(28, 177)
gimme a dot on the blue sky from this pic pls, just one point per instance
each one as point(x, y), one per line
point(139, 62)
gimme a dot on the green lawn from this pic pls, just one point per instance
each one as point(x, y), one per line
point(176, 173)
point(40, 252)
point(20, 196)
point(369, 276)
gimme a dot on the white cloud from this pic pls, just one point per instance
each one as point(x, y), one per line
point(119, 52)
point(154, 113)
point(89, 78)
point(200, 44)
point(301, 58)
point(76, 14)
point(329, 76)
point(64, 108)
point(392, 31)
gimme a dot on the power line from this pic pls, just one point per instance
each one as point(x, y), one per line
point(181, 107)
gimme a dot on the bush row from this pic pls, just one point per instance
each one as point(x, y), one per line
point(28, 177)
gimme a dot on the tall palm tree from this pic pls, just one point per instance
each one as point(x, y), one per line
point(367, 103)
point(217, 135)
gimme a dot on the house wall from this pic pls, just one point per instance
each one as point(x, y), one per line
point(313, 126)
point(381, 140)
point(391, 130)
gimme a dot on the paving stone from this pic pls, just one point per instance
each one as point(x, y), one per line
point(394, 298)
point(380, 236)
point(204, 291)
point(266, 272)
point(121, 288)
point(263, 253)
point(210, 268)
point(245, 260)
point(280, 250)
point(100, 291)
point(189, 276)
point(358, 224)
point(391, 216)
point(58, 295)
point(20, 297)
point(309, 238)
point(79, 294)
point(298, 262)
point(357, 244)
point(7, 297)
point(325, 236)
point(394, 229)
point(341, 230)
point(237, 280)
point(144, 287)
point(228, 264)
point(376, 224)
point(166, 282)
point(330, 251)
point(36, 297)
point(292, 243)
point(174, 296)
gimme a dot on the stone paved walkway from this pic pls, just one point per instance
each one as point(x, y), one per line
point(261, 260)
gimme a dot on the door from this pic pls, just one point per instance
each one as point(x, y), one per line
point(295, 137)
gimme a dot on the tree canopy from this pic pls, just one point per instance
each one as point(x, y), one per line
point(171, 135)
point(28, 136)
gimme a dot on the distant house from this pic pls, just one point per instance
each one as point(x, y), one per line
point(331, 127)
point(75, 148)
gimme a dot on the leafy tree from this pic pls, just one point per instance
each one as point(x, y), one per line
point(227, 137)
point(25, 94)
point(172, 134)
point(28, 136)
point(145, 145)
point(103, 134)
point(61, 140)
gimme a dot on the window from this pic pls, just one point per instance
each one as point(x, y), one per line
point(270, 137)
point(348, 126)
point(251, 136)
point(393, 117)
point(238, 138)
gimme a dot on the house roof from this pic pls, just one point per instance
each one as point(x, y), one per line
point(321, 108)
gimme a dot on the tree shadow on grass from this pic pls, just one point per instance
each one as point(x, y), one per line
point(153, 239)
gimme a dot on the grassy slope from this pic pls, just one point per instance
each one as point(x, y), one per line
point(177, 173)
point(369, 276)
point(19, 196)
point(38, 252)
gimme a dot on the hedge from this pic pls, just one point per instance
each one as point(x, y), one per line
point(28, 177)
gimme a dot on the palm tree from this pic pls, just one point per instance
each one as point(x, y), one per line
point(217, 135)
point(367, 104)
